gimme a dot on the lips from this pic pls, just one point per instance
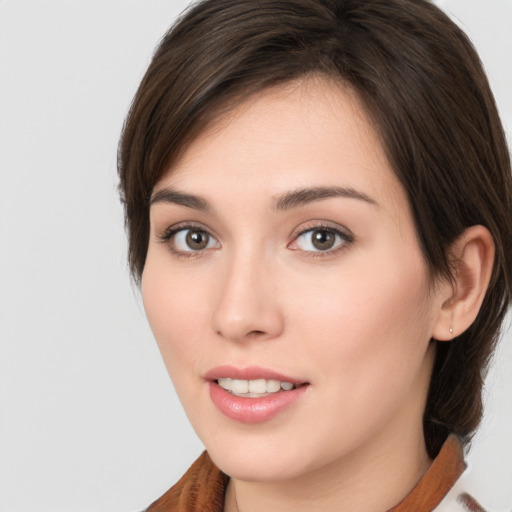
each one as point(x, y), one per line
point(249, 373)
point(253, 394)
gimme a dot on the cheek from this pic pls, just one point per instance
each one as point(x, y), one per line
point(366, 342)
point(373, 319)
point(176, 311)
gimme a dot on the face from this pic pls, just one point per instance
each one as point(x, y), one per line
point(283, 255)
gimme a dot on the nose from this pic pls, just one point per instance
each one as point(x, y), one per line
point(247, 304)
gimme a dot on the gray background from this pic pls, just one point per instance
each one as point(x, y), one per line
point(88, 418)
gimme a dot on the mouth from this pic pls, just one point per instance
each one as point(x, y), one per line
point(256, 388)
point(253, 394)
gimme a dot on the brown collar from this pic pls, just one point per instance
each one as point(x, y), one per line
point(202, 487)
point(437, 481)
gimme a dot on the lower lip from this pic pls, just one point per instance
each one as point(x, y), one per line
point(253, 410)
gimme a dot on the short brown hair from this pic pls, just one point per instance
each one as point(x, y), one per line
point(424, 89)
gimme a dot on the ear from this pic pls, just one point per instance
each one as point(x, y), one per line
point(472, 256)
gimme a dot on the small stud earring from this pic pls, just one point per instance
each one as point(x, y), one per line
point(451, 330)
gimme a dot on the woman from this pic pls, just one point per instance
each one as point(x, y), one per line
point(318, 201)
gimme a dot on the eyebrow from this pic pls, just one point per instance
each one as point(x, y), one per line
point(168, 195)
point(287, 201)
point(304, 196)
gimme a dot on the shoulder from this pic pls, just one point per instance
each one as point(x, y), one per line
point(200, 489)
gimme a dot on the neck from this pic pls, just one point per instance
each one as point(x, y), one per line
point(373, 478)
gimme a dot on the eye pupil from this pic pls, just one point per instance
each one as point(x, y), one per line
point(323, 239)
point(197, 239)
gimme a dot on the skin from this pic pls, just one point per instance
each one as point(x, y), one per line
point(354, 321)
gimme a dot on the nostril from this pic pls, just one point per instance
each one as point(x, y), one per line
point(256, 333)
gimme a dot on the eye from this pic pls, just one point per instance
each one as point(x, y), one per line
point(320, 239)
point(189, 239)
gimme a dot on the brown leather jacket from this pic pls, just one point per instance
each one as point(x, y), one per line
point(202, 487)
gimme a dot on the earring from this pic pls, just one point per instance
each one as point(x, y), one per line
point(451, 331)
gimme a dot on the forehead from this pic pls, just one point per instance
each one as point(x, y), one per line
point(306, 133)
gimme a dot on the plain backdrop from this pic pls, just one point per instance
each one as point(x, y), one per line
point(89, 421)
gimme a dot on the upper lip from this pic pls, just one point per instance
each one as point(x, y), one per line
point(249, 373)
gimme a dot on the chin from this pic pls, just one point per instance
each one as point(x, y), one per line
point(257, 454)
point(259, 466)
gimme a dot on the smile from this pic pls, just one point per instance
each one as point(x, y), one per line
point(254, 388)
point(253, 394)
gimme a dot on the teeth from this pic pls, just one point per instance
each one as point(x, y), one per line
point(225, 383)
point(257, 386)
point(273, 386)
point(239, 386)
point(254, 388)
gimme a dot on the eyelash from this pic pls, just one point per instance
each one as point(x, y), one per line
point(347, 239)
point(169, 234)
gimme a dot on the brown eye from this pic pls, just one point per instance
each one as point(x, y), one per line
point(322, 239)
point(197, 240)
point(190, 240)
